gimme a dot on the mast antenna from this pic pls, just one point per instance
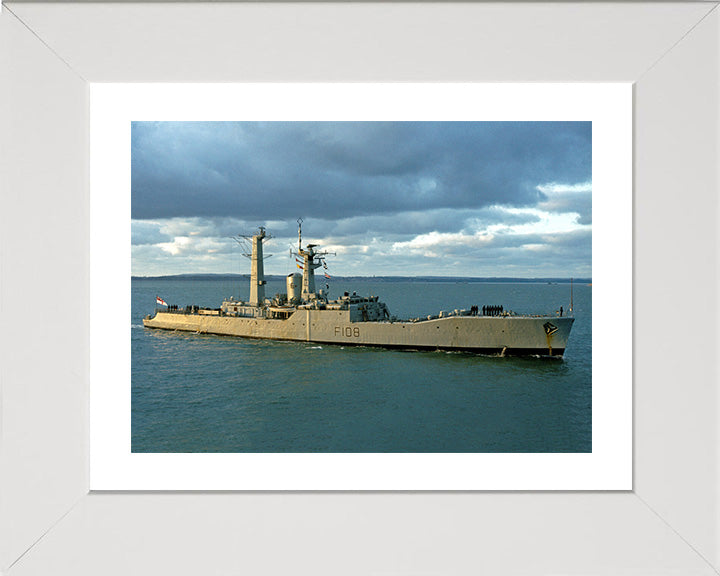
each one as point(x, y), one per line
point(571, 294)
point(253, 249)
point(245, 241)
point(299, 221)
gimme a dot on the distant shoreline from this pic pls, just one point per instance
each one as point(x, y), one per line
point(496, 280)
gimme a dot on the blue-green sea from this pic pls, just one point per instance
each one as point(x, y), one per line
point(205, 393)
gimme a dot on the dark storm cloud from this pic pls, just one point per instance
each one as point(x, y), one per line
point(253, 171)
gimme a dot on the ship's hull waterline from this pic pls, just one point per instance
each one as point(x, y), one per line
point(504, 335)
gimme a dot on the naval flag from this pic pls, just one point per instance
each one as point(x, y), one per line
point(160, 301)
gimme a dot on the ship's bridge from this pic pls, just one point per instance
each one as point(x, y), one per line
point(362, 309)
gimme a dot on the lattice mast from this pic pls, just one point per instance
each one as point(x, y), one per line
point(309, 264)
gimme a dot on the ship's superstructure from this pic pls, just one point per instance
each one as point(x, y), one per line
point(304, 313)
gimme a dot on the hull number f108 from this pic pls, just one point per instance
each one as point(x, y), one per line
point(347, 331)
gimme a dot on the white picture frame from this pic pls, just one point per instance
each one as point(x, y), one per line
point(113, 466)
point(667, 524)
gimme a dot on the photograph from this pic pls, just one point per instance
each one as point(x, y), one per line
point(361, 286)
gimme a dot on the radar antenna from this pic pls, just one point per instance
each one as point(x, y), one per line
point(311, 259)
point(245, 242)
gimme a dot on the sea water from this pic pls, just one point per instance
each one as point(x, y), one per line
point(206, 393)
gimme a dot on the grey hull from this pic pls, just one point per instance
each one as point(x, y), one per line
point(508, 335)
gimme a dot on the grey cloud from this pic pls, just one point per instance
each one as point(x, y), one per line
point(348, 232)
point(558, 254)
point(579, 202)
point(148, 233)
point(552, 241)
point(504, 248)
point(421, 222)
point(333, 170)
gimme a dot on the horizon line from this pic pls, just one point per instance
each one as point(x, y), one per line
point(338, 277)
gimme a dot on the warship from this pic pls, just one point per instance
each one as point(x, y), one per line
point(307, 314)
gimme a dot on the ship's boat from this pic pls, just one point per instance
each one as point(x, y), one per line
point(306, 314)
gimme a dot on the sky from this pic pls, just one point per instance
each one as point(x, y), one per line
point(472, 199)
